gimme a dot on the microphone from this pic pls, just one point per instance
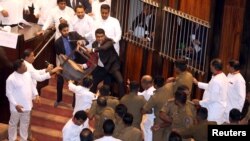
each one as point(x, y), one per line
point(47, 63)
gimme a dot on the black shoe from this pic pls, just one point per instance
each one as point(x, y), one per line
point(56, 104)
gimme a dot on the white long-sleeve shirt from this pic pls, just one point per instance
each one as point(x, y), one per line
point(215, 97)
point(83, 97)
point(15, 11)
point(37, 75)
point(147, 119)
point(54, 18)
point(147, 94)
point(84, 27)
point(71, 131)
point(20, 91)
point(112, 30)
point(43, 7)
point(236, 92)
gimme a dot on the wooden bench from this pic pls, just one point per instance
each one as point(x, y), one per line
point(3, 131)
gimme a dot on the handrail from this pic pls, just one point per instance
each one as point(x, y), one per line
point(52, 37)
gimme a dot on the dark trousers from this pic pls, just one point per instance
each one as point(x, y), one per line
point(59, 87)
point(100, 74)
point(60, 82)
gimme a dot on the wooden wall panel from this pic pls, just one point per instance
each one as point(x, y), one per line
point(232, 27)
point(149, 62)
point(198, 8)
point(167, 68)
point(245, 47)
point(133, 63)
point(173, 4)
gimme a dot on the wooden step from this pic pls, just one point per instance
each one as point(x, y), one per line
point(46, 134)
point(3, 131)
point(49, 92)
point(46, 120)
point(47, 105)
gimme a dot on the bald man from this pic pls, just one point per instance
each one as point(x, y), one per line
point(147, 119)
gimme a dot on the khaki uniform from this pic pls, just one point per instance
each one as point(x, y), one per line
point(131, 134)
point(134, 103)
point(183, 117)
point(101, 114)
point(198, 132)
point(106, 113)
point(119, 126)
point(156, 101)
point(111, 102)
point(184, 78)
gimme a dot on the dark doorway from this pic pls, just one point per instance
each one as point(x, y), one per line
point(245, 46)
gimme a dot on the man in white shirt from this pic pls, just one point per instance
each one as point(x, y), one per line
point(83, 96)
point(236, 88)
point(60, 14)
point(20, 91)
point(215, 95)
point(108, 129)
point(110, 25)
point(72, 129)
point(147, 119)
point(12, 13)
point(96, 8)
point(37, 75)
point(83, 24)
point(42, 9)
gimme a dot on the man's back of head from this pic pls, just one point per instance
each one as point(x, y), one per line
point(102, 101)
point(181, 65)
point(121, 110)
point(108, 127)
point(202, 114)
point(134, 87)
point(234, 116)
point(104, 90)
point(158, 82)
point(86, 135)
point(128, 119)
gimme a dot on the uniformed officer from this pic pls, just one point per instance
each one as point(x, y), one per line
point(155, 102)
point(178, 113)
point(120, 111)
point(100, 112)
point(198, 132)
point(134, 103)
point(184, 77)
point(130, 133)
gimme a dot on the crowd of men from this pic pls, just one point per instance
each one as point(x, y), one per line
point(153, 110)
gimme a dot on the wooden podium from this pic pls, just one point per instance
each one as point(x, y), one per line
point(27, 39)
